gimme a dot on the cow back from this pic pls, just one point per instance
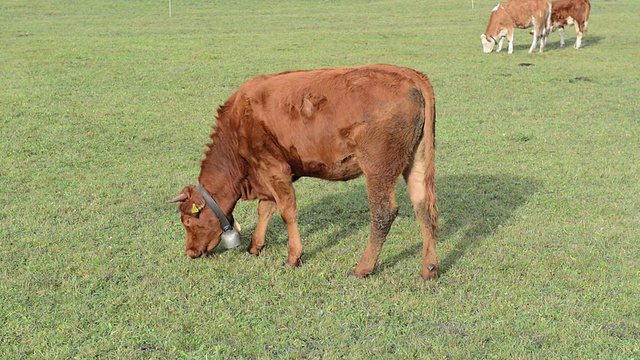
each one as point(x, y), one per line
point(315, 121)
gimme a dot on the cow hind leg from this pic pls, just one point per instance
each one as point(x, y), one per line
point(534, 41)
point(561, 34)
point(542, 39)
point(389, 145)
point(420, 196)
point(383, 212)
point(266, 209)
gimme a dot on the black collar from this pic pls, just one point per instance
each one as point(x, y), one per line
point(226, 223)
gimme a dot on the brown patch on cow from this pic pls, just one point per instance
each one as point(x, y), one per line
point(307, 108)
point(310, 104)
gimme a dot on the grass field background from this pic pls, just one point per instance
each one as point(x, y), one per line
point(106, 107)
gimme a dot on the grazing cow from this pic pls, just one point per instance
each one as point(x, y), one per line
point(570, 12)
point(522, 14)
point(333, 124)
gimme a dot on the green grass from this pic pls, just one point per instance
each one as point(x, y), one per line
point(105, 110)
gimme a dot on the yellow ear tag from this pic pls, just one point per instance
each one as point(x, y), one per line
point(194, 209)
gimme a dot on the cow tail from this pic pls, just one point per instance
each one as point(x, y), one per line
point(548, 25)
point(430, 158)
point(586, 16)
point(427, 144)
point(429, 155)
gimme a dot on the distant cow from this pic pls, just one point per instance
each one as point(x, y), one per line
point(333, 124)
point(522, 14)
point(570, 12)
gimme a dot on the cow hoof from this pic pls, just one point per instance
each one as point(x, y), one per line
point(295, 263)
point(255, 250)
point(355, 274)
point(430, 273)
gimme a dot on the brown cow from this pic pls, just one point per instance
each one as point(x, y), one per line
point(522, 14)
point(570, 12)
point(333, 124)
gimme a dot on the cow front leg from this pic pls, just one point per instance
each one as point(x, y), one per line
point(500, 44)
point(289, 213)
point(578, 37)
point(383, 212)
point(281, 187)
point(266, 209)
point(510, 38)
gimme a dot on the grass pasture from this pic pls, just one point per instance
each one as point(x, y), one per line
point(105, 110)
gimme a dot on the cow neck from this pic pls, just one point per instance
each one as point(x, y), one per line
point(493, 27)
point(220, 173)
point(225, 222)
point(508, 13)
point(492, 32)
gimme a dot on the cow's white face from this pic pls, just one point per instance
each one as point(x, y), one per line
point(487, 44)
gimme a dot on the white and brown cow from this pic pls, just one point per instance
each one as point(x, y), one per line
point(522, 14)
point(570, 12)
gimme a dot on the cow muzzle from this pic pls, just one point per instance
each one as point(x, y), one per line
point(487, 44)
point(192, 253)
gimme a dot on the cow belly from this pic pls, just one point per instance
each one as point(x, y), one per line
point(345, 168)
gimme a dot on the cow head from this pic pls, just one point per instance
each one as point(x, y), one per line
point(487, 44)
point(202, 226)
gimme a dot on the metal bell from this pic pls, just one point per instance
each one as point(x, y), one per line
point(230, 239)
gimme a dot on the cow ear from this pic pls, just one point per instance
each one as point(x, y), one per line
point(195, 197)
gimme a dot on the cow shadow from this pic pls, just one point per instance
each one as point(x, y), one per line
point(570, 40)
point(472, 208)
point(554, 41)
point(340, 213)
